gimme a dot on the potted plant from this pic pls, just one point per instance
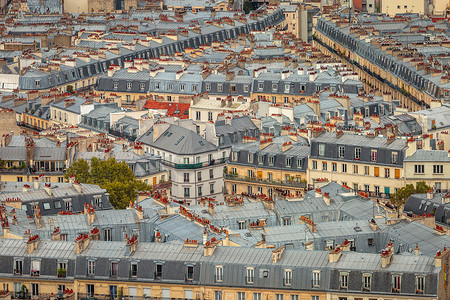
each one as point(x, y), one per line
point(61, 272)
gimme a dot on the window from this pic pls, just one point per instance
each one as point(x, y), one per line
point(200, 192)
point(341, 151)
point(38, 83)
point(241, 224)
point(219, 87)
point(241, 296)
point(334, 167)
point(208, 87)
point(129, 85)
point(324, 166)
point(90, 290)
point(315, 278)
point(233, 88)
point(257, 296)
point(260, 159)
point(357, 153)
point(114, 269)
point(194, 88)
point(286, 100)
point(314, 165)
point(366, 170)
point(91, 267)
point(113, 291)
point(373, 155)
point(438, 169)
point(34, 289)
point(355, 169)
point(182, 87)
point(288, 162)
point(279, 296)
point(245, 88)
point(20, 179)
point(250, 158)
point(286, 221)
point(142, 86)
point(134, 268)
point(211, 173)
point(250, 275)
point(186, 177)
point(187, 192)
point(343, 279)
point(344, 168)
point(186, 160)
point(299, 163)
point(419, 169)
point(35, 267)
point(18, 267)
point(420, 284)
point(62, 269)
point(217, 295)
point(211, 188)
point(315, 297)
point(219, 273)
point(260, 85)
point(287, 277)
point(197, 115)
point(274, 99)
point(107, 234)
point(370, 242)
point(61, 288)
point(210, 116)
point(396, 283)
point(387, 172)
point(190, 273)
point(170, 86)
point(367, 281)
point(394, 156)
point(271, 159)
point(158, 271)
point(321, 149)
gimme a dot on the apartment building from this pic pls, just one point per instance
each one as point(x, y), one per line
point(372, 164)
point(270, 166)
point(195, 166)
point(91, 268)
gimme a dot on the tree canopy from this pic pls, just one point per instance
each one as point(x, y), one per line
point(116, 177)
point(401, 195)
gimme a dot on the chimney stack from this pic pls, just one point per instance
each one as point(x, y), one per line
point(276, 254)
point(81, 243)
point(131, 245)
point(210, 247)
point(32, 244)
point(335, 254)
point(386, 255)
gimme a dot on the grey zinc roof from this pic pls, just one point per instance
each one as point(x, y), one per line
point(50, 154)
point(360, 140)
point(180, 141)
point(429, 155)
point(13, 153)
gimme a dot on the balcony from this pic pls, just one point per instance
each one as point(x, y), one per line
point(296, 184)
point(15, 170)
point(195, 166)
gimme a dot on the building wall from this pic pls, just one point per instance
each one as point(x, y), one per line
point(34, 122)
point(431, 179)
point(404, 6)
point(8, 122)
point(359, 180)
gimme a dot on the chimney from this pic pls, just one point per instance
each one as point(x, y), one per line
point(313, 76)
point(77, 186)
point(335, 254)
point(139, 211)
point(210, 247)
point(439, 256)
point(32, 244)
point(69, 102)
point(211, 209)
point(37, 217)
point(205, 237)
point(446, 198)
point(314, 105)
point(127, 64)
point(81, 243)
point(430, 194)
point(309, 245)
point(153, 72)
point(262, 243)
point(276, 254)
point(26, 188)
point(327, 199)
point(48, 188)
point(131, 245)
point(95, 234)
point(286, 146)
point(311, 225)
point(180, 73)
point(158, 237)
point(373, 225)
point(264, 143)
point(90, 212)
point(159, 128)
point(230, 76)
point(56, 235)
point(345, 246)
point(416, 250)
point(386, 255)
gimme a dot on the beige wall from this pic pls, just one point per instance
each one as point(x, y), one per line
point(404, 6)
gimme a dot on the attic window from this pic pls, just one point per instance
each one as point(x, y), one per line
point(170, 134)
point(357, 229)
point(201, 143)
point(181, 138)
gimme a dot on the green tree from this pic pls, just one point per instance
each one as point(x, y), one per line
point(401, 195)
point(116, 177)
point(247, 7)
